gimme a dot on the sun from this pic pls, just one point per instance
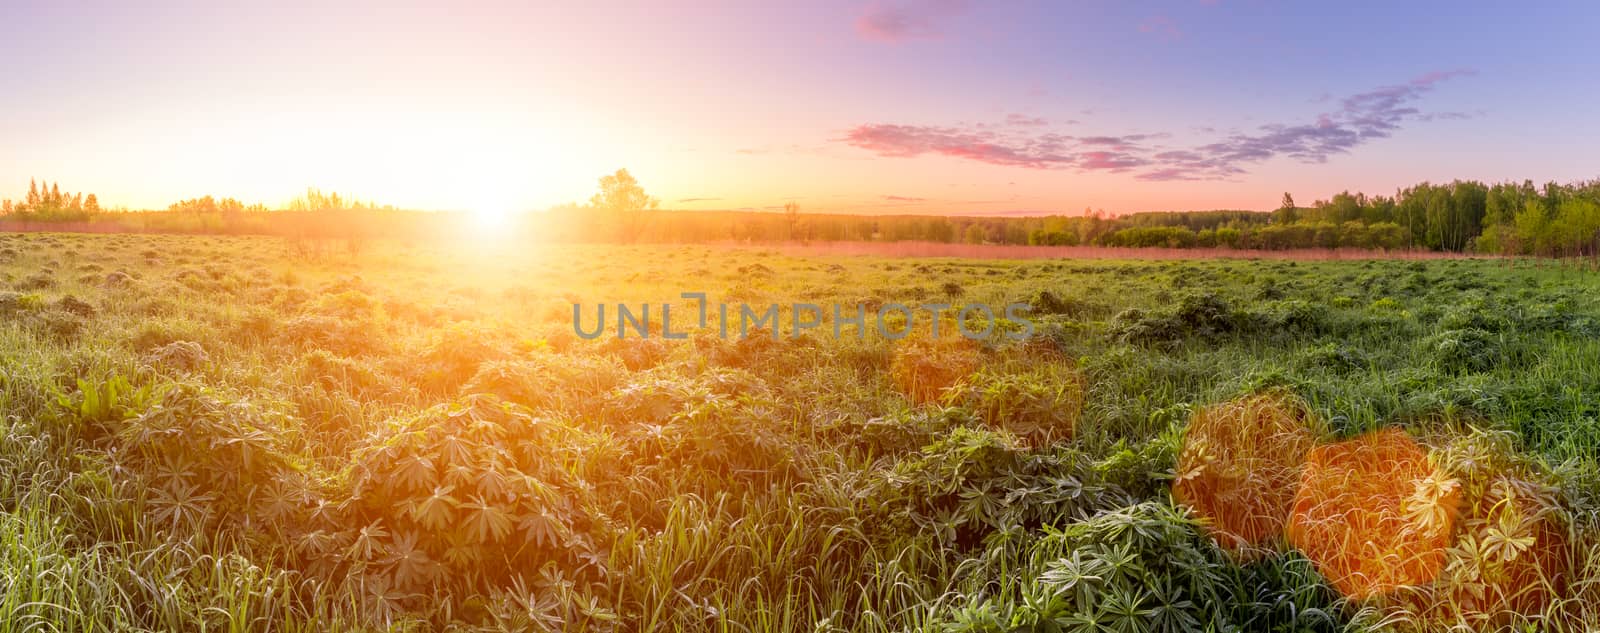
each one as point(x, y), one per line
point(492, 213)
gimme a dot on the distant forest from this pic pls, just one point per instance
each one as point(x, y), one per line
point(1553, 220)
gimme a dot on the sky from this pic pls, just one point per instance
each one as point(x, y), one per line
point(879, 106)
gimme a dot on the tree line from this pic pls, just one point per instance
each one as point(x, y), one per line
point(46, 203)
point(1459, 216)
point(1552, 220)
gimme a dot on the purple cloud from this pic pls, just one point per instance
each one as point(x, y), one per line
point(904, 199)
point(1023, 120)
point(894, 21)
point(1360, 118)
point(1110, 161)
point(1124, 143)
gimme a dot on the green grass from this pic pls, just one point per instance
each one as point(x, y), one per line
point(208, 433)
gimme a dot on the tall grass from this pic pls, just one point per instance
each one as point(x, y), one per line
point(218, 434)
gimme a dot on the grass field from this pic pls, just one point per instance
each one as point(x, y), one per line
point(206, 433)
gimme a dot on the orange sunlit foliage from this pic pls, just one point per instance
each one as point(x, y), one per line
point(924, 368)
point(1374, 514)
point(1511, 564)
point(1240, 466)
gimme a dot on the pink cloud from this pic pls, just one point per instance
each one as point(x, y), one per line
point(1110, 161)
point(1360, 118)
point(894, 21)
point(981, 145)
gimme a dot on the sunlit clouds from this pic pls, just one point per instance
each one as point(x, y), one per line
point(1360, 118)
point(950, 106)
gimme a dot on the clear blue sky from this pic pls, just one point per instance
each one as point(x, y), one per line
point(890, 106)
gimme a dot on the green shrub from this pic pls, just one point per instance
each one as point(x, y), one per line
point(57, 325)
point(10, 302)
point(310, 331)
point(1041, 404)
point(37, 281)
point(571, 383)
point(1046, 303)
point(75, 306)
point(1145, 567)
point(183, 356)
point(469, 493)
point(1468, 350)
point(1332, 357)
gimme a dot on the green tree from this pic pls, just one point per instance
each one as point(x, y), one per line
point(1287, 213)
point(620, 201)
point(1229, 237)
point(46, 202)
point(620, 192)
point(1533, 229)
point(1576, 228)
point(1388, 236)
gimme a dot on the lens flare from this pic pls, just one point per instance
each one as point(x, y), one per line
point(1374, 514)
point(1239, 467)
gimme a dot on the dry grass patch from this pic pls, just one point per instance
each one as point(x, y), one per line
point(1374, 514)
point(1239, 468)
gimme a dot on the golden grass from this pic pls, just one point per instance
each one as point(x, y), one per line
point(1374, 514)
point(1239, 468)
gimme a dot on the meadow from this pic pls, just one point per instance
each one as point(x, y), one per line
point(225, 434)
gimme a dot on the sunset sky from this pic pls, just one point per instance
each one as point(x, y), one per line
point(940, 106)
